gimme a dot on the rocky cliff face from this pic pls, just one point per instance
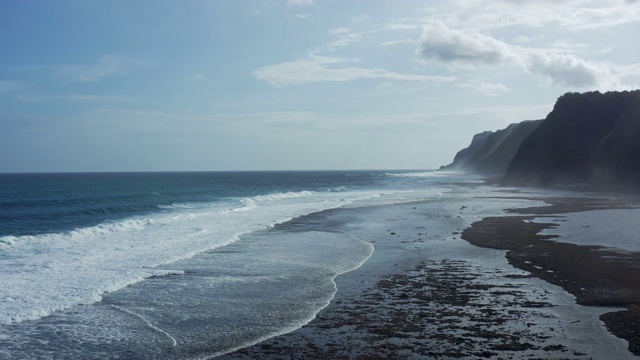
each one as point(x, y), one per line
point(587, 138)
point(490, 153)
point(500, 148)
point(617, 156)
point(463, 157)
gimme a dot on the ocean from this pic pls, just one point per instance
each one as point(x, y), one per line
point(177, 265)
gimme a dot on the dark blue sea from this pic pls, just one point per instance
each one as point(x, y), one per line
point(174, 265)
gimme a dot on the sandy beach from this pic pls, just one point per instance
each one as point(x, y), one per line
point(470, 277)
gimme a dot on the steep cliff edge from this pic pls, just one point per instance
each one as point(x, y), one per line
point(587, 138)
point(490, 153)
point(617, 157)
point(463, 157)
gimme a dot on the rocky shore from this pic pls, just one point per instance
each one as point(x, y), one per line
point(595, 275)
point(426, 294)
point(440, 309)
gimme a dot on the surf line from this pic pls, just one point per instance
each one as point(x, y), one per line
point(173, 340)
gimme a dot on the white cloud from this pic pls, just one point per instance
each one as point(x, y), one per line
point(300, 2)
point(458, 49)
point(7, 86)
point(345, 37)
point(569, 14)
point(198, 76)
point(323, 68)
point(469, 48)
point(566, 70)
point(464, 41)
point(492, 89)
point(534, 18)
point(571, 71)
point(398, 42)
point(603, 16)
point(108, 65)
point(361, 18)
point(42, 98)
point(568, 46)
point(524, 39)
point(303, 16)
point(626, 70)
point(339, 31)
point(486, 88)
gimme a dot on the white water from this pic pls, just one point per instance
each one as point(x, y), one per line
point(340, 258)
point(47, 273)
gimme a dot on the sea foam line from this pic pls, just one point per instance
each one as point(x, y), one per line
point(304, 322)
point(83, 264)
point(173, 340)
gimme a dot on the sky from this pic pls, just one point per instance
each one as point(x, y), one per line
point(158, 85)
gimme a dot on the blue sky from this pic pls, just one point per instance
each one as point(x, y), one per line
point(155, 85)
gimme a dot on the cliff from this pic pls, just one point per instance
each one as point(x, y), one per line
point(490, 153)
point(617, 156)
point(463, 157)
point(587, 138)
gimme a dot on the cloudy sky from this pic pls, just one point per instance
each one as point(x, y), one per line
point(153, 85)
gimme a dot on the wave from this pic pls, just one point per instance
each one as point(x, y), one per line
point(247, 203)
point(181, 206)
point(347, 253)
point(242, 208)
point(33, 217)
point(251, 203)
point(52, 272)
point(338, 189)
point(431, 173)
point(98, 230)
point(277, 196)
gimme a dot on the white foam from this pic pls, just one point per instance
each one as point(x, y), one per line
point(47, 273)
point(449, 175)
point(345, 262)
point(278, 196)
point(432, 173)
point(337, 189)
point(149, 324)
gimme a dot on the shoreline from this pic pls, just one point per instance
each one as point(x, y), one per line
point(427, 293)
point(595, 274)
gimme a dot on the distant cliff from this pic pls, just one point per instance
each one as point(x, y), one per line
point(587, 138)
point(490, 153)
point(461, 161)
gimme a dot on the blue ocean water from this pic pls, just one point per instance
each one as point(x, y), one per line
point(173, 265)
point(41, 203)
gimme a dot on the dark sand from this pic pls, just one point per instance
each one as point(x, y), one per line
point(436, 310)
point(425, 295)
point(595, 275)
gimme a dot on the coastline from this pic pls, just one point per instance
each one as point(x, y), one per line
point(595, 274)
point(426, 293)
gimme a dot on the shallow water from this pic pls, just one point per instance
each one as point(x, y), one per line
point(195, 279)
point(408, 236)
point(194, 268)
point(614, 228)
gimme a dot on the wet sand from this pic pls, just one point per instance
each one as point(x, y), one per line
point(595, 275)
point(426, 293)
